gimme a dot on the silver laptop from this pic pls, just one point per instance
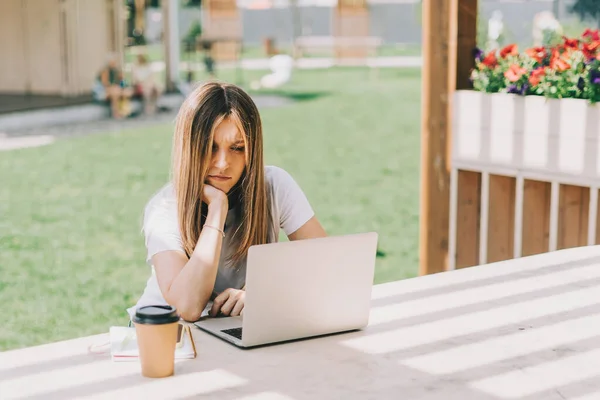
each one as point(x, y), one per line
point(302, 289)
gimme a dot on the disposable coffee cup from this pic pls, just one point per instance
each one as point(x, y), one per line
point(156, 331)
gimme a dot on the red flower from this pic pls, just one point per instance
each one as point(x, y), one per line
point(558, 62)
point(514, 73)
point(591, 34)
point(571, 43)
point(536, 76)
point(510, 50)
point(593, 46)
point(537, 53)
point(490, 60)
point(589, 49)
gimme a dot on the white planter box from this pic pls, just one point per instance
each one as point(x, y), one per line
point(527, 133)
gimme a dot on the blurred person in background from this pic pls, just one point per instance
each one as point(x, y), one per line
point(110, 86)
point(145, 84)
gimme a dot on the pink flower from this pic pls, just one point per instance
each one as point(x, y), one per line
point(536, 76)
point(537, 53)
point(514, 73)
point(558, 62)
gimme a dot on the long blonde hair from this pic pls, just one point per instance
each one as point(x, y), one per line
point(200, 114)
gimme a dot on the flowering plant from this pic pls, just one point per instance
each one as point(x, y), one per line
point(570, 69)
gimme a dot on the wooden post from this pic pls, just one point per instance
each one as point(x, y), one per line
point(170, 10)
point(467, 41)
point(449, 36)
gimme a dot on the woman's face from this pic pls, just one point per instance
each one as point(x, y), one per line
point(228, 157)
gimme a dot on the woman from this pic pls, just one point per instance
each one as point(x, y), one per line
point(222, 199)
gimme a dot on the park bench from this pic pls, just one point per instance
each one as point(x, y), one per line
point(346, 50)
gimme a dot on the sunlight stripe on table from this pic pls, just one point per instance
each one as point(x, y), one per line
point(430, 304)
point(530, 380)
point(444, 329)
point(265, 396)
point(49, 352)
point(65, 378)
point(76, 378)
point(177, 386)
point(490, 271)
point(502, 348)
point(588, 396)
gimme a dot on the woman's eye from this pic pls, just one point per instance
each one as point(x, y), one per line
point(237, 148)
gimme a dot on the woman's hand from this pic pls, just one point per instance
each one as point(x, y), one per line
point(229, 302)
point(212, 195)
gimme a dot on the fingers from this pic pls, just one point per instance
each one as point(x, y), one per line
point(229, 304)
point(238, 309)
point(235, 303)
point(218, 302)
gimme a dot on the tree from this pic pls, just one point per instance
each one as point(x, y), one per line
point(587, 8)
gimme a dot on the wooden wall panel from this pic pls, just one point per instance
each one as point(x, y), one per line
point(573, 212)
point(536, 217)
point(467, 219)
point(501, 220)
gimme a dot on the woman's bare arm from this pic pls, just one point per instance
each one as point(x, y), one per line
point(188, 284)
point(310, 230)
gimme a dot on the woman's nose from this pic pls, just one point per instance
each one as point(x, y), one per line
point(221, 161)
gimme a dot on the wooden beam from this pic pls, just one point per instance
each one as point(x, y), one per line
point(466, 42)
point(449, 34)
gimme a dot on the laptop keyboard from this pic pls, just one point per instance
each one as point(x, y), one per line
point(235, 332)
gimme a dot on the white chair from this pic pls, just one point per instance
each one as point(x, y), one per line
point(281, 66)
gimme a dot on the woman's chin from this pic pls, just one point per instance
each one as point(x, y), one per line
point(220, 186)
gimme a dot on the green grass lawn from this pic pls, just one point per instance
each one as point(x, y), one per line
point(155, 52)
point(71, 250)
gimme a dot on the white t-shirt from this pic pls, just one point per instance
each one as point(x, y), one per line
point(289, 209)
point(142, 74)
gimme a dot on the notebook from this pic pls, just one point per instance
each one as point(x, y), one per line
point(123, 344)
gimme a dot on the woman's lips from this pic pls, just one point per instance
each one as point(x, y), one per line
point(220, 178)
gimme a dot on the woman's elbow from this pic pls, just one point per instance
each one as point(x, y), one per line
point(190, 309)
point(189, 312)
point(190, 315)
